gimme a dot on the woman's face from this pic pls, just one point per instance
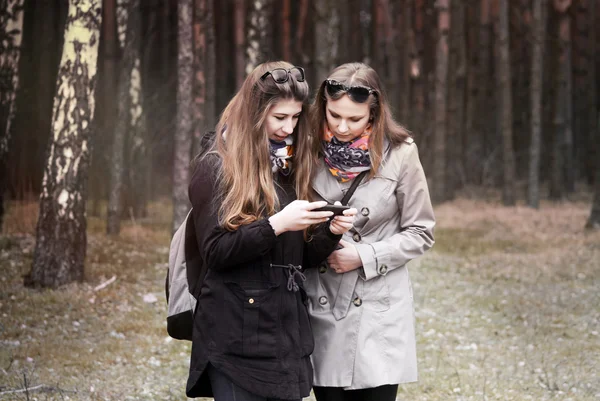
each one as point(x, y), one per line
point(346, 119)
point(282, 119)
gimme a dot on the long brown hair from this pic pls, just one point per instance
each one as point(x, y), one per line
point(247, 190)
point(382, 121)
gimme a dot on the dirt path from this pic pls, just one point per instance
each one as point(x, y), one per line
point(507, 309)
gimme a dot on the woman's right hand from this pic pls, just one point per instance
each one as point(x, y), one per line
point(298, 216)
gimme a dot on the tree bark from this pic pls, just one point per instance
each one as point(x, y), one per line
point(594, 220)
point(327, 38)
point(257, 49)
point(537, 70)
point(505, 89)
point(473, 141)
point(199, 84)
point(11, 34)
point(562, 169)
point(60, 248)
point(456, 99)
point(123, 122)
point(484, 78)
point(408, 57)
point(239, 25)
point(440, 107)
point(183, 132)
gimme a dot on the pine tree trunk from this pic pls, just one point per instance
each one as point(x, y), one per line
point(407, 36)
point(60, 248)
point(484, 111)
point(239, 25)
point(505, 90)
point(199, 84)
point(537, 80)
point(183, 132)
point(210, 67)
point(257, 49)
point(473, 143)
point(417, 120)
point(594, 220)
point(456, 99)
point(441, 92)
point(11, 34)
point(126, 36)
point(562, 173)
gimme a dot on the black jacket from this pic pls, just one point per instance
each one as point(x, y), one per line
point(249, 322)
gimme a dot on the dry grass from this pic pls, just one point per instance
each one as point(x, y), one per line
point(507, 309)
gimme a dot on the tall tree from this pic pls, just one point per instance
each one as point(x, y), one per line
point(258, 45)
point(440, 107)
point(408, 57)
point(537, 70)
point(484, 111)
point(183, 131)
point(456, 98)
point(11, 33)
point(199, 83)
point(239, 25)
point(327, 27)
point(123, 122)
point(505, 89)
point(594, 219)
point(562, 170)
point(61, 230)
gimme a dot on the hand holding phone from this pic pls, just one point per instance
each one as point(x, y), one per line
point(337, 210)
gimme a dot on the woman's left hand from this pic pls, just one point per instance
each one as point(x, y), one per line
point(345, 259)
point(341, 224)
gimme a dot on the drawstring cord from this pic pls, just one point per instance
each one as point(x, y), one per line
point(293, 272)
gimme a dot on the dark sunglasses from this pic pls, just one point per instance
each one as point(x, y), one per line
point(358, 93)
point(280, 75)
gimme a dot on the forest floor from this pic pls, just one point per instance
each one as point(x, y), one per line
point(507, 308)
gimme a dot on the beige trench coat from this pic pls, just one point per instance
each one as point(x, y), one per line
point(363, 320)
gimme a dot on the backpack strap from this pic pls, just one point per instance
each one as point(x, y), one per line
point(353, 187)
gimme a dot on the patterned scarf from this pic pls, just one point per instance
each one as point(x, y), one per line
point(346, 160)
point(281, 155)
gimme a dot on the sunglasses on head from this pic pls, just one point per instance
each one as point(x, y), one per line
point(358, 93)
point(280, 75)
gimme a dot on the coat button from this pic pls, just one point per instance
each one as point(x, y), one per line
point(357, 301)
point(382, 270)
point(356, 237)
point(323, 300)
point(323, 269)
point(251, 301)
point(364, 211)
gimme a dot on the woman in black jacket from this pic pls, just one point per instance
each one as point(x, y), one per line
point(252, 336)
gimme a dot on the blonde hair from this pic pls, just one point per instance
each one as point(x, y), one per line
point(246, 187)
point(381, 118)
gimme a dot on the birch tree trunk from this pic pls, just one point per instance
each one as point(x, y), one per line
point(60, 248)
point(183, 131)
point(440, 106)
point(327, 27)
point(537, 69)
point(505, 89)
point(11, 34)
point(257, 49)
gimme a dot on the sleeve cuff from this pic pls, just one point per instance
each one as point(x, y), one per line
point(374, 259)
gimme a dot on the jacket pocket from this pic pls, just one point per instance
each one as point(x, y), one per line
point(253, 313)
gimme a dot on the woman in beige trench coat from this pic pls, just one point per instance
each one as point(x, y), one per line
point(361, 300)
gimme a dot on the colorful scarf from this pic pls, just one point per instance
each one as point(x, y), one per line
point(346, 160)
point(281, 155)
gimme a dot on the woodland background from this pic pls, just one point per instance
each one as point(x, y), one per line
point(104, 103)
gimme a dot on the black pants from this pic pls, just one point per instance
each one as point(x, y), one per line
point(381, 393)
point(225, 390)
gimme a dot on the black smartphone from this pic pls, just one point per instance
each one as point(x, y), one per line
point(336, 209)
